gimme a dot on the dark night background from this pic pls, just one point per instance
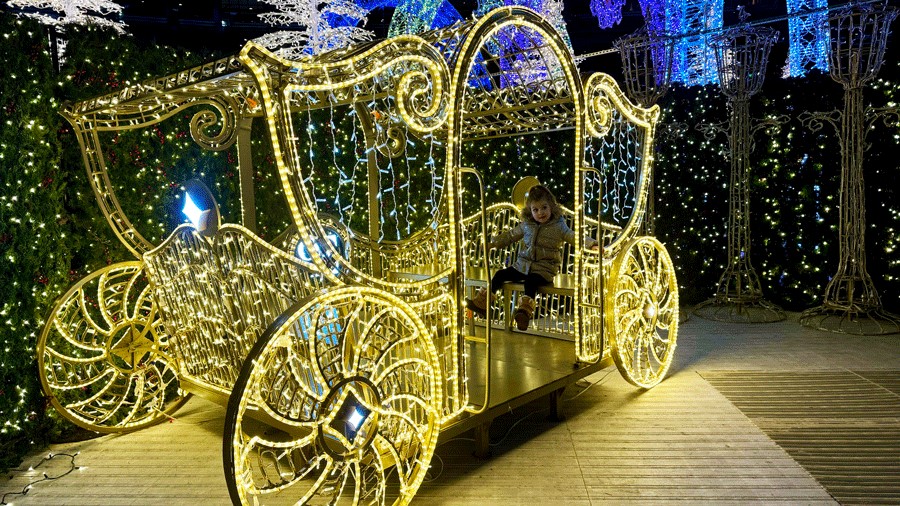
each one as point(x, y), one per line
point(224, 25)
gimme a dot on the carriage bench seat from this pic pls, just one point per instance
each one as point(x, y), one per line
point(563, 285)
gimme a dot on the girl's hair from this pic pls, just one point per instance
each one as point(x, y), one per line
point(540, 193)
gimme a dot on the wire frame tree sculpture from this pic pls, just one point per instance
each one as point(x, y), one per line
point(858, 39)
point(647, 67)
point(742, 54)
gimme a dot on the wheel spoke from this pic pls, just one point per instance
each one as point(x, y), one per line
point(268, 466)
point(370, 478)
point(331, 330)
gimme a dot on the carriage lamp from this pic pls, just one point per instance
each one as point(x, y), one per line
point(339, 242)
point(197, 216)
point(302, 252)
point(200, 207)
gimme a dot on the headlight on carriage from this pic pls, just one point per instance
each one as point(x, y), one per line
point(201, 208)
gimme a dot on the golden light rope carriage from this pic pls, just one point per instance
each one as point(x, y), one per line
point(342, 353)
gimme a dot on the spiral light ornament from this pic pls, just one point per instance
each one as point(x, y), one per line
point(350, 387)
point(101, 353)
point(642, 316)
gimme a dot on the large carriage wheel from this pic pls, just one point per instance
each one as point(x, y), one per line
point(100, 353)
point(338, 402)
point(644, 312)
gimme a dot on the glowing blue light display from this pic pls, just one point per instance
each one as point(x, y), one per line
point(654, 12)
point(415, 16)
point(694, 22)
point(607, 12)
point(808, 37)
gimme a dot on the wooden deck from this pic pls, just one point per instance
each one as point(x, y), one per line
point(681, 442)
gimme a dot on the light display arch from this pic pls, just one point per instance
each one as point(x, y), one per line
point(352, 345)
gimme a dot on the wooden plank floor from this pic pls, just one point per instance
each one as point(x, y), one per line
point(681, 442)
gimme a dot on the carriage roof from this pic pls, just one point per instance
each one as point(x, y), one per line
point(516, 84)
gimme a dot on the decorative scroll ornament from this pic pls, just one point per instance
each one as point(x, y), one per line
point(599, 113)
point(390, 139)
point(205, 119)
point(421, 87)
point(420, 98)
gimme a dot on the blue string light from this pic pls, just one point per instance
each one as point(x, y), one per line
point(694, 61)
point(808, 37)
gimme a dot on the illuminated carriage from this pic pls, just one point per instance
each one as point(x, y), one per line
point(342, 348)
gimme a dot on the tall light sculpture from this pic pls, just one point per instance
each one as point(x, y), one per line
point(742, 54)
point(647, 68)
point(858, 39)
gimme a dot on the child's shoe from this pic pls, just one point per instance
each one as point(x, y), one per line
point(478, 303)
point(524, 312)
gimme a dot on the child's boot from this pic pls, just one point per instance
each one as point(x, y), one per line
point(524, 312)
point(478, 303)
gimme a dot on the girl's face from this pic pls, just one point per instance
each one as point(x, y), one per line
point(540, 211)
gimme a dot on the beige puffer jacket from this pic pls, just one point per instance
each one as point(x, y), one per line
point(541, 250)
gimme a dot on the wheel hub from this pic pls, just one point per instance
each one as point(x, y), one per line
point(349, 424)
point(129, 347)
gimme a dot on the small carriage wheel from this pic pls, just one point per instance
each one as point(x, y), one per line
point(643, 319)
point(339, 400)
point(101, 353)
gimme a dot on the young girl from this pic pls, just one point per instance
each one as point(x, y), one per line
point(543, 230)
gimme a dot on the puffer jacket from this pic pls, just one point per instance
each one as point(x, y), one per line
point(541, 250)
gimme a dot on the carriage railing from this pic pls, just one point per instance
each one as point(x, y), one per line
point(218, 296)
point(554, 305)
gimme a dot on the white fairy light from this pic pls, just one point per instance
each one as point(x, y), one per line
point(315, 35)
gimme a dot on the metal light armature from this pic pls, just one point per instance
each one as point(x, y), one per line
point(646, 64)
point(851, 303)
point(647, 67)
point(340, 353)
point(742, 54)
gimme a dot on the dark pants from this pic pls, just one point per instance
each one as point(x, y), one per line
point(510, 275)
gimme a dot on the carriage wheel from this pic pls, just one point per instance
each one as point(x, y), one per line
point(100, 353)
point(339, 401)
point(644, 315)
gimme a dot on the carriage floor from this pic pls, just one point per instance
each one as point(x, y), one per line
point(524, 367)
